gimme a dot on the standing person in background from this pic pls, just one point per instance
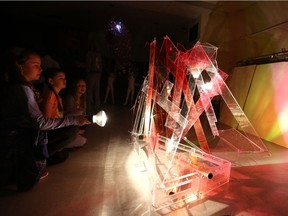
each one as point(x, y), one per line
point(111, 69)
point(130, 87)
point(93, 70)
point(49, 62)
point(23, 127)
point(110, 87)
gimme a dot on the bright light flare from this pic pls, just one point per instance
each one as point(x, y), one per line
point(170, 145)
point(100, 118)
point(117, 28)
point(208, 85)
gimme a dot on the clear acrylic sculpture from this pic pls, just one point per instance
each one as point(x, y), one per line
point(175, 97)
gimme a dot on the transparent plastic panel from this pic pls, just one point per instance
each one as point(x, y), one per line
point(175, 97)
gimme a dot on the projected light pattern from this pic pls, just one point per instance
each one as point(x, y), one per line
point(177, 91)
point(262, 91)
point(279, 79)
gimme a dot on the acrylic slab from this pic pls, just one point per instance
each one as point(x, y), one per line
point(187, 177)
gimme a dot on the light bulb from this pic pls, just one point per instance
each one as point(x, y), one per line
point(100, 118)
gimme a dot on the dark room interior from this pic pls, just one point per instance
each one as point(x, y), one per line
point(107, 177)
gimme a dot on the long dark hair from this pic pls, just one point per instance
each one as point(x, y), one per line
point(73, 90)
point(11, 73)
point(50, 73)
point(16, 57)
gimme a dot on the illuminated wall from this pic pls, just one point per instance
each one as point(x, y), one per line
point(248, 31)
point(262, 92)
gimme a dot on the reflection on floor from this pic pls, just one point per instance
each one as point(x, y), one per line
point(106, 178)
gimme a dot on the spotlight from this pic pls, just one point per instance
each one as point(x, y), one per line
point(100, 118)
point(117, 28)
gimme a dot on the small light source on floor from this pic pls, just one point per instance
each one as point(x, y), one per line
point(100, 118)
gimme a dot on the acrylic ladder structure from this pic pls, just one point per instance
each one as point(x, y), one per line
point(179, 88)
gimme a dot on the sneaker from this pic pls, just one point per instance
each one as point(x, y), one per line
point(44, 174)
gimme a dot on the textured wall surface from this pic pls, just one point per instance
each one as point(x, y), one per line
point(256, 29)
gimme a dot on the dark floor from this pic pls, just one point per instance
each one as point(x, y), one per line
point(106, 178)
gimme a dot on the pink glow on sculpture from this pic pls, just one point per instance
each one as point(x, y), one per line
point(168, 109)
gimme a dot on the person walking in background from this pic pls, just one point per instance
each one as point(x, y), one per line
point(23, 126)
point(93, 70)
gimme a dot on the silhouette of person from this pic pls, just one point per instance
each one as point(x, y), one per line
point(110, 87)
point(94, 70)
point(130, 88)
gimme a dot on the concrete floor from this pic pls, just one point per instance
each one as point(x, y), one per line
point(106, 178)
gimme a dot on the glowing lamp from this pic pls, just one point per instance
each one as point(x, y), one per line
point(100, 118)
